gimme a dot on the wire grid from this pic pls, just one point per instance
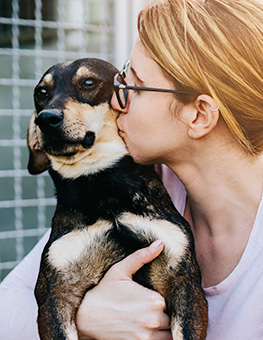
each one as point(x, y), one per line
point(27, 202)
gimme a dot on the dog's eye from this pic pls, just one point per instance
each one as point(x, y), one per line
point(89, 83)
point(42, 93)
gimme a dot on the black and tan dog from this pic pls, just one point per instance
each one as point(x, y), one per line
point(107, 206)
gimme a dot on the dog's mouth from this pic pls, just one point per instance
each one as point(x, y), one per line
point(66, 147)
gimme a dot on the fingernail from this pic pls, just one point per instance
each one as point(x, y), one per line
point(155, 245)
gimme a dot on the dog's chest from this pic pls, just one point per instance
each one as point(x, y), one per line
point(106, 195)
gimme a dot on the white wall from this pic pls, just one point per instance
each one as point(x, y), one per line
point(125, 28)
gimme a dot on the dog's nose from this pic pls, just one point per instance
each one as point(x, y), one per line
point(49, 120)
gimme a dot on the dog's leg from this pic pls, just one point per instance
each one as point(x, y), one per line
point(185, 300)
point(72, 264)
point(174, 274)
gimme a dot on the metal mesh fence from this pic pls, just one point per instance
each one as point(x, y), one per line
point(34, 35)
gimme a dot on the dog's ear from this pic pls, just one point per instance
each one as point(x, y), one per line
point(38, 161)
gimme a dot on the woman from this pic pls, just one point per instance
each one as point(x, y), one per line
point(212, 140)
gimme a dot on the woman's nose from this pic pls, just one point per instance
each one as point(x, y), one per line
point(115, 104)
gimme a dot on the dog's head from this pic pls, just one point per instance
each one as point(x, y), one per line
point(74, 128)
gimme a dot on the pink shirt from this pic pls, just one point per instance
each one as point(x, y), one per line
point(235, 304)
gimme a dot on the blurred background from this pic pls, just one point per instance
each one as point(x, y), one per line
point(34, 35)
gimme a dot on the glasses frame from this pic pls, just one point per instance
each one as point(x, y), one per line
point(123, 86)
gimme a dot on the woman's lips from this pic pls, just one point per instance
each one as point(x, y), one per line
point(121, 133)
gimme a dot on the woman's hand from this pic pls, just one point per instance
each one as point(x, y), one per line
point(119, 308)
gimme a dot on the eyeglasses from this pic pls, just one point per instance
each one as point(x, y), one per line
point(121, 88)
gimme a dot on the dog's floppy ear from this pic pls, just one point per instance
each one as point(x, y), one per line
point(38, 161)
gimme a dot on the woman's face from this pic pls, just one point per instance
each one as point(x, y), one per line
point(148, 125)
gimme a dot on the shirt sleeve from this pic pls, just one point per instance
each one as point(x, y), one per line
point(18, 307)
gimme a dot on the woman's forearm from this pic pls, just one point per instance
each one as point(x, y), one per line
point(18, 308)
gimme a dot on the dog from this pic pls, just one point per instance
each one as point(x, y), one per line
point(107, 206)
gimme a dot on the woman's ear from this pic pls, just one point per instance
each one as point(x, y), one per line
point(204, 116)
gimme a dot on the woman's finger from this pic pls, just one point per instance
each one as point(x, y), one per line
point(163, 335)
point(132, 263)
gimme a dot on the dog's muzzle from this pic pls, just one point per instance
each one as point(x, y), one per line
point(56, 141)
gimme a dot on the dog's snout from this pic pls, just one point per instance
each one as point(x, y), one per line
point(49, 120)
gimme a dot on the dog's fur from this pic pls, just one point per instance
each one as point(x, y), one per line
point(107, 206)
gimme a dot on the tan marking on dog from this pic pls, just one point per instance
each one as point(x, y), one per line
point(175, 241)
point(80, 117)
point(84, 71)
point(47, 80)
point(32, 139)
point(71, 247)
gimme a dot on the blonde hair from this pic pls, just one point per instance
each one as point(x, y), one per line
point(213, 47)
